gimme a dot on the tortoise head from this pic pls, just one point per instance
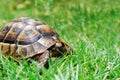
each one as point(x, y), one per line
point(66, 48)
point(61, 48)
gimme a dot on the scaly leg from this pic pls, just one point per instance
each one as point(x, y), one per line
point(43, 59)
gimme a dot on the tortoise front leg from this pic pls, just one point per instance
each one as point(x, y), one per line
point(43, 59)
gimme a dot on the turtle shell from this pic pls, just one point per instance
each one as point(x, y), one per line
point(26, 37)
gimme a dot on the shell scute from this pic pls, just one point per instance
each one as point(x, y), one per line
point(4, 31)
point(28, 36)
point(47, 41)
point(4, 47)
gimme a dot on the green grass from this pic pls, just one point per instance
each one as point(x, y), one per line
point(91, 28)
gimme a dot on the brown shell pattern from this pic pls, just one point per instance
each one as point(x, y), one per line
point(26, 37)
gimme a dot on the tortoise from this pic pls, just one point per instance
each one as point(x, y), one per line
point(26, 37)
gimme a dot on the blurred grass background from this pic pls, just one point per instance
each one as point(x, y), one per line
point(91, 28)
